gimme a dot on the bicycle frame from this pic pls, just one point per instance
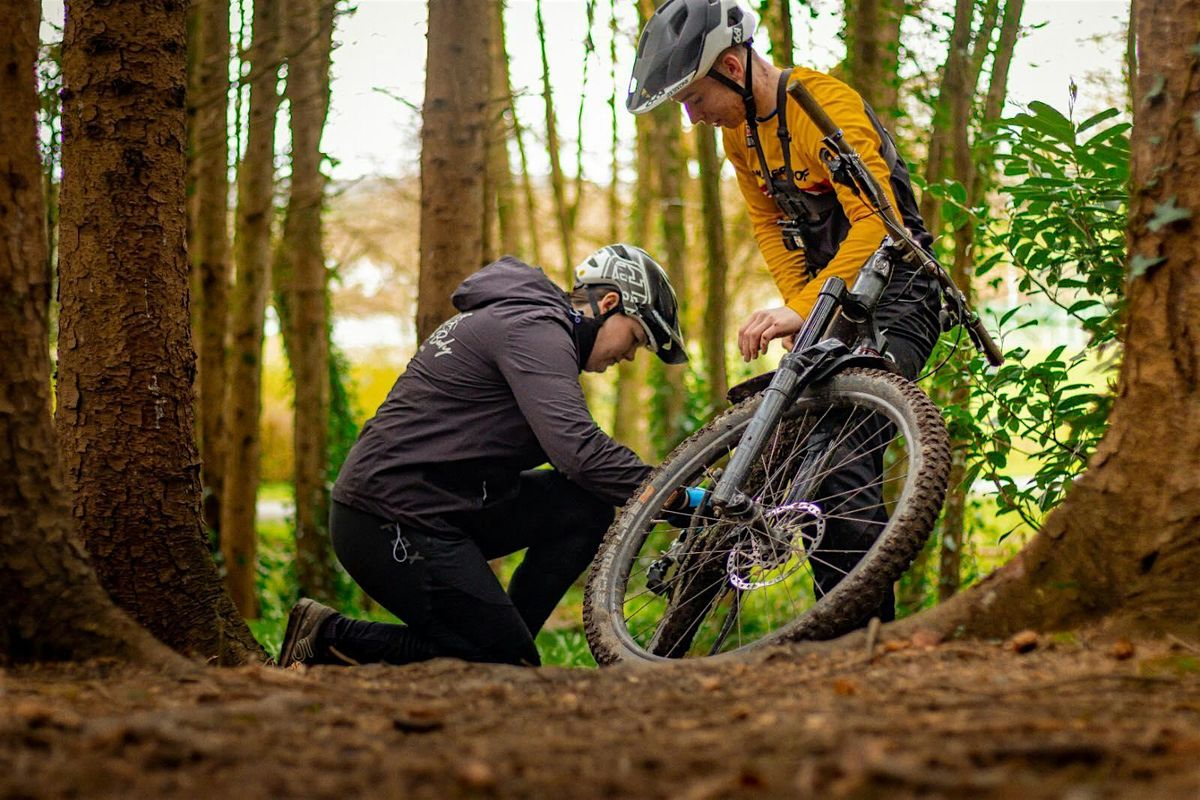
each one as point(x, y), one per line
point(840, 331)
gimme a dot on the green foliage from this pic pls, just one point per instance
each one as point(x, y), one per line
point(1066, 198)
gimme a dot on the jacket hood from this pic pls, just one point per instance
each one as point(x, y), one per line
point(509, 281)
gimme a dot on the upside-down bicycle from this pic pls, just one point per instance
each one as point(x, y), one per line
point(786, 540)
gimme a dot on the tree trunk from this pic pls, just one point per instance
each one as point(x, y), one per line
point(500, 203)
point(954, 84)
point(252, 251)
point(1010, 28)
point(532, 222)
point(210, 240)
point(974, 172)
point(1131, 60)
point(872, 35)
point(309, 32)
point(51, 604)
point(557, 181)
point(630, 423)
point(717, 263)
point(589, 50)
point(777, 16)
point(671, 164)
point(126, 364)
point(1124, 543)
point(453, 153)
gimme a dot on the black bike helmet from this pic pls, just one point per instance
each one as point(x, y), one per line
point(646, 294)
point(680, 43)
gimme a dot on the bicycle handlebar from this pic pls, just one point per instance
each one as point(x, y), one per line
point(878, 198)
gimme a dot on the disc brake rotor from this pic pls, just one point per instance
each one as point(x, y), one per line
point(756, 562)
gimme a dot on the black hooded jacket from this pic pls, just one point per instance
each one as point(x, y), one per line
point(493, 391)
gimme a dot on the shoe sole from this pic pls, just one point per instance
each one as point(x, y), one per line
point(296, 620)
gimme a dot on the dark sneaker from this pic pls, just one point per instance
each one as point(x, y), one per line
point(300, 640)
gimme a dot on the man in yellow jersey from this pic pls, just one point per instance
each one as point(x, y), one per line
point(809, 226)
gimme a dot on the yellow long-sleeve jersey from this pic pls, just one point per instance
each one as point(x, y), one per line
point(863, 230)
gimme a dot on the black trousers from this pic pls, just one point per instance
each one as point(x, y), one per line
point(441, 586)
point(852, 497)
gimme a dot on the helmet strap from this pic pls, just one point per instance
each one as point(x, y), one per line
point(747, 91)
point(602, 316)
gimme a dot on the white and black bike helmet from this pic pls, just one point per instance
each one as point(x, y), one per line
point(680, 43)
point(646, 294)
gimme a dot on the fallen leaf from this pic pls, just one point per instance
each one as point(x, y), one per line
point(926, 639)
point(1023, 642)
point(1122, 649)
point(476, 774)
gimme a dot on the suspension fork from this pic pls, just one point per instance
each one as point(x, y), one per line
point(797, 369)
point(789, 380)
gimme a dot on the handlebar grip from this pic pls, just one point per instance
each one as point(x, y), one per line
point(991, 351)
point(811, 107)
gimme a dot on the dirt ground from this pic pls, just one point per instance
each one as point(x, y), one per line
point(1068, 719)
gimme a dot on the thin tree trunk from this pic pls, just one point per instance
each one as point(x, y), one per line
point(1131, 59)
point(777, 16)
point(717, 263)
point(500, 198)
point(453, 154)
point(532, 222)
point(126, 364)
point(958, 93)
point(50, 600)
point(982, 41)
point(309, 32)
point(872, 36)
point(1010, 28)
point(589, 50)
point(973, 171)
point(211, 241)
point(252, 251)
point(669, 146)
point(629, 414)
point(954, 83)
point(557, 181)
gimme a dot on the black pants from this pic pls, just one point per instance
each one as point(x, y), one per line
point(852, 497)
point(441, 586)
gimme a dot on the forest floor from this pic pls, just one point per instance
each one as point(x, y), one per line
point(1072, 718)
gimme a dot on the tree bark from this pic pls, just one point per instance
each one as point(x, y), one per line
point(126, 364)
point(1124, 543)
point(501, 237)
point(309, 32)
point(210, 240)
point(557, 181)
point(777, 16)
point(872, 35)
point(974, 171)
point(717, 264)
point(252, 251)
point(954, 84)
point(453, 153)
point(51, 603)
point(670, 172)
point(629, 418)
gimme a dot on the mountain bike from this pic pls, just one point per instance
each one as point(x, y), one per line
point(810, 496)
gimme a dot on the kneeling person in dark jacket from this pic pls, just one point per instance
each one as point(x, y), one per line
point(442, 478)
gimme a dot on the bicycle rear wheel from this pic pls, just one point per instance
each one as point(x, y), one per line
point(849, 488)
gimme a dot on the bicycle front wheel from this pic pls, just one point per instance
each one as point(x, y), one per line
point(847, 490)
